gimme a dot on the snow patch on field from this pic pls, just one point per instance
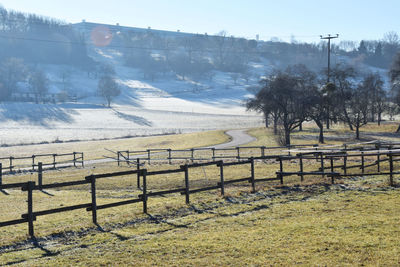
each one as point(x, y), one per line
point(165, 105)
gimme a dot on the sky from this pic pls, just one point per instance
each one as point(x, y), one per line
point(303, 20)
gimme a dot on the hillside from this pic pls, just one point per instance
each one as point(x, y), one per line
point(170, 82)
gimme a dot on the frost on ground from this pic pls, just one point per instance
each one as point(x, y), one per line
point(165, 105)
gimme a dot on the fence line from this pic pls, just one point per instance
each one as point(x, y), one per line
point(142, 174)
point(73, 158)
point(239, 153)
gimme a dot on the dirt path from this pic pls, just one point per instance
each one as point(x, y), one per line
point(238, 138)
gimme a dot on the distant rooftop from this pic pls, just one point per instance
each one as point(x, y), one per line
point(87, 26)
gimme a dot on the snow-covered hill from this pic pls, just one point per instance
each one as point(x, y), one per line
point(166, 105)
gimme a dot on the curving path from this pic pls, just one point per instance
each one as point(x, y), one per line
point(238, 138)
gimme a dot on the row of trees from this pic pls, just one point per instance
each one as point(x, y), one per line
point(187, 55)
point(13, 71)
point(295, 95)
point(40, 40)
point(197, 55)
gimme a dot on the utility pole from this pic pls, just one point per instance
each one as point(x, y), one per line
point(329, 37)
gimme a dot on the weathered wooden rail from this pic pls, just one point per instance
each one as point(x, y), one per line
point(142, 174)
point(200, 154)
point(52, 160)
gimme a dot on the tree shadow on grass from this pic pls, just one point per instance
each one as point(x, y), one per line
point(35, 245)
point(37, 114)
point(135, 119)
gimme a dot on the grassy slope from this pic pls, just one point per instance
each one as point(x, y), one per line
point(95, 149)
point(310, 225)
point(353, 223)
point(338, 134)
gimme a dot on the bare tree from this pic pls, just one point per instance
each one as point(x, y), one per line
point(373, 86)
point(342, 77)
point(108, 88)
point(284, 93)
point(357, 107)
point(12, 70)
point(39, 84)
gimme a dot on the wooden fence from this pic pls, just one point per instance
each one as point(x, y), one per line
point(201, 154)
point(240, 153)
point(32, 162)
point(142, 174)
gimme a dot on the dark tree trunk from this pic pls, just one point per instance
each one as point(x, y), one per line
point(321, 131)
point(301, 127)
point(328, 126)
point(266, 120)
point(357, 132)
point(379, 118)
point(275, 124)
point(346, 115)
point(328, 118)
point(373, 111)
point(287, 137)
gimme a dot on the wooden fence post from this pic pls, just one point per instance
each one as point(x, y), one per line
point(362, 161)
point(322, 164)
point(11, 162)
point(332, 170)
point(144, 195)
point(213, 153)
point(345, 164)
point(391, 169)
point(281, 170)
point(128, 158)
point(83, 161)
point(221, 175)
point(33, 162)
point(40, 175)
point(118, 160)
point(263, 151)
point(1, 173)
point(94, 205)
point(192, 155)
point(74, 154)
point(54, 161)
point(378, 161)
point(138, 173)
point(301, 167)
point(238, 153)
point(148, 155)
point(169, 156)
point(253, 186)
point(30, 187)
point(187, 183)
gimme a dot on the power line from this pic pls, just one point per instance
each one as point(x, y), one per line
point(128, 47)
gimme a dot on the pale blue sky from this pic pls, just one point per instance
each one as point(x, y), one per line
point(305, 19)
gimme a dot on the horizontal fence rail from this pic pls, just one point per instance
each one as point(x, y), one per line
point(332, 164)
point(31, 163)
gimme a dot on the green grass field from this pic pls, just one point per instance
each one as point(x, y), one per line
point(353, 222)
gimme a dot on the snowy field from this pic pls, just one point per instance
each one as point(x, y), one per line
point(31, 123)
point(163, 106)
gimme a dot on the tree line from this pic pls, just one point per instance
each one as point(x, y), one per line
point(37, 39)
point(296, 94)
point(197, 56)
